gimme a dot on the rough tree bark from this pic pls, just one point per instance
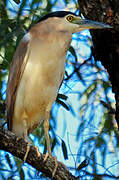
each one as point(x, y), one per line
point(17, 147)
point(106, 42)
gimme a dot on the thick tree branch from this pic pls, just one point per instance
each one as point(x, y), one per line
point(17, 147)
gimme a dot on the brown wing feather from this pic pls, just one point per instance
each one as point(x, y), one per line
point(16, 71)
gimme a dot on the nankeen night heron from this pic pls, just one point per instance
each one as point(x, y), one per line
point(37, 70)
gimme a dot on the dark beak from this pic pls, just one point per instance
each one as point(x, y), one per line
point(88, 24)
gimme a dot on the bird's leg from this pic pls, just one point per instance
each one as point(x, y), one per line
point(27, 150)
point(46, 129)
point(26, 139)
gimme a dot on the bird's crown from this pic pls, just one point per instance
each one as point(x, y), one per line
point(56, 14)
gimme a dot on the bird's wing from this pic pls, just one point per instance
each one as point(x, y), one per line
point(16, 71)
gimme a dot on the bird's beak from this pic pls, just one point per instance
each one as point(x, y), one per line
point(84, 24)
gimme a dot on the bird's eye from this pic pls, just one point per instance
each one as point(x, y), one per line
point(70, 18)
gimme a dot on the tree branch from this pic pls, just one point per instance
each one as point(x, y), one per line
point(17, 147)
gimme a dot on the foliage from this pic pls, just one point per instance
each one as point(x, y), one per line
point(96, 131)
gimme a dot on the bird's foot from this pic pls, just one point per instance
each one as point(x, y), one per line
point(46, 156)
point(37, 150)
point(27, 151)
point(55, 160)
point(56, 166)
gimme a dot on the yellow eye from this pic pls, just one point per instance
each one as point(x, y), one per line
point(70, 18)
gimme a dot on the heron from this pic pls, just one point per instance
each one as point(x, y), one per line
point(37, 71)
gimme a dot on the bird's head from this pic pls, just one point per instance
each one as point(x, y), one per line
point(68, 21)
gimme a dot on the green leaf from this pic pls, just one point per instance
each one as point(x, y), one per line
point(22, 174)
point(64, 149)
point(72, 50)
point(63, 104)
point(62, 96)
point(83, 164)
point(54, 143)
point(17, 1)
point(19, 164)
point(8, 160)
point(72, 110)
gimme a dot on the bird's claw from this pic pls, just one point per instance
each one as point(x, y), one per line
point(27, 151)
point(55, 160)
point(56, 166)
point(46, 156)
point(37, 150)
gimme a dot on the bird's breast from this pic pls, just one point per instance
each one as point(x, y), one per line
point(39, 84)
